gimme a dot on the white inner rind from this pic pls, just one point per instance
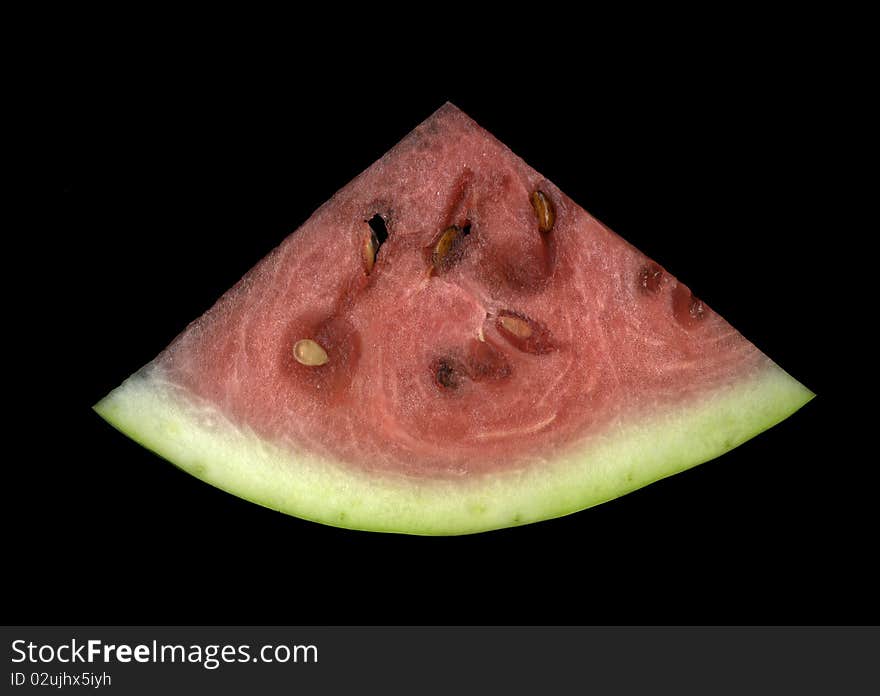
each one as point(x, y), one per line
point(199, 439)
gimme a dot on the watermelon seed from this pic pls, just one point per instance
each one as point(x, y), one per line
point(369, 249)
point(309, 353)
point(373, 239)
point(544, 210)
point(525, 334)
point(696, 309)
point(515, 325)
point(446, 245)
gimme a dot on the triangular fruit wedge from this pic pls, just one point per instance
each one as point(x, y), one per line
point(449, 345)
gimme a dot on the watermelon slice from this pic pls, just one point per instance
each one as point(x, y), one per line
point(450, 345)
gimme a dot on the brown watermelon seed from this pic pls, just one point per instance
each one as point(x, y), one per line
point(650, 277)
point(369, 249)
point(515, 325)
point(309, 353)
point(373, 239)
point(443, 252)
point(444, 244)
point(544, 210)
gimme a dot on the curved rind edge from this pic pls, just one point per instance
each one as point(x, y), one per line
point(200, 440)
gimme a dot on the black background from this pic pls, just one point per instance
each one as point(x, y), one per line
point(173, 180)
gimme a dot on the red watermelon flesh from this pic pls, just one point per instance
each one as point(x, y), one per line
point(503, 357)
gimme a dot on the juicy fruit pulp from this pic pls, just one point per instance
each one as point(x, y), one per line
point(450, 344)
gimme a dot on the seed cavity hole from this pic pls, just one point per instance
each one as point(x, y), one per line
point(448, 373)
point(650, 278)
point(687, 309)
point(373, 239)
point(379, 227)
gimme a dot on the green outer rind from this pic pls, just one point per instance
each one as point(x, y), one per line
point(200, 440)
